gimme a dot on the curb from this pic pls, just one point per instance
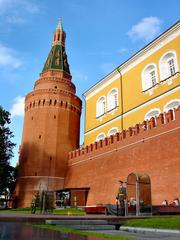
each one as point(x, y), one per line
point(154, 230)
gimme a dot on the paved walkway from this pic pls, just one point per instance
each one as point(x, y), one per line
point(144, 235)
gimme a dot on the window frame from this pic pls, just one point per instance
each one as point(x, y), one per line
point(150, 111)
point(146, 77)
point(102, 133)
point(113, 128)
point(110, 95)
point(98, 108)
point(164, 68)
point(167, 106)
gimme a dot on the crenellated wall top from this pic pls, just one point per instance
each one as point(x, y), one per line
point(137, 130)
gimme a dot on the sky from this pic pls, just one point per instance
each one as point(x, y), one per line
point(100, 35)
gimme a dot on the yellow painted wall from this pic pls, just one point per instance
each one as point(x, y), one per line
point(132, 97)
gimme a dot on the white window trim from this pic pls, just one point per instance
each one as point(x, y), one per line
point(102, 133)
point(143, 74)
point(108, 99)
point(97, 113)
point(175, 62)
point(167, 107)
point(152, 110)
point(114, 128)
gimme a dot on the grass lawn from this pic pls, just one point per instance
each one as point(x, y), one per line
point(65, 211)
point(156, 222)
point(93, 234)
point(16, 210)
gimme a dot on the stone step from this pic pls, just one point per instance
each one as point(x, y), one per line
point(77, 222)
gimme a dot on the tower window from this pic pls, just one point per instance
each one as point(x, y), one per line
point(32, 118)
point(50, 102)
point(55, 87)
point(39, 136)
point(54, 116)
point(57, 61)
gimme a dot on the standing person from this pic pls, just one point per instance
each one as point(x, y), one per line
point(121, 196)
point(64, 200)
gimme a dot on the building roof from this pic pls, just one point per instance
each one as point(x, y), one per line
point(57, 58)
point(133, 58)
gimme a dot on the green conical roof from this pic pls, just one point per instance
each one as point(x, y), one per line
point(57, 59)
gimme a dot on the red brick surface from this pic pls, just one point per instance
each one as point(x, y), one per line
point(154, 151)
point(51, 130)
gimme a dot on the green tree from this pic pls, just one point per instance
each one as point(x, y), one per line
point(7, 172)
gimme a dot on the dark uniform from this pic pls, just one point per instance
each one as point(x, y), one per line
point(121, 195)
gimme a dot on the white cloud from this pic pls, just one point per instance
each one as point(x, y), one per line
point(15, 11)
point(122, 50)
point(18, 107)
point(78, 76)
point(107, 67)
point(14, 19)
point(9, 58)
point(147, 29)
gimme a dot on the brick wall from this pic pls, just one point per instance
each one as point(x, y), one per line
point(151, 147)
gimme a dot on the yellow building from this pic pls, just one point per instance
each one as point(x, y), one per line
point(147, 84)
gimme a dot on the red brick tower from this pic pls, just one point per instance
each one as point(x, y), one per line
point(51, 126)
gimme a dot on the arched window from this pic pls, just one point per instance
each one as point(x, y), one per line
point(112, 131)
point(152, 113)
point(112, 99)
point(171, 105)
point(101, 136)
point(168, 65)
point(101, 106)
point(149, 76)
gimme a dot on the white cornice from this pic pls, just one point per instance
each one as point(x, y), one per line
point(148, 50)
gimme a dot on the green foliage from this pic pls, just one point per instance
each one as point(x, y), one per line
point(93, 234)
point(7, 172)
point(156, 222)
